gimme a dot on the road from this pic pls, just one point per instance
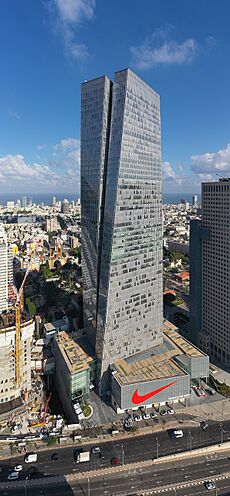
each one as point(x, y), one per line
point(134, 449)
point(149, 479)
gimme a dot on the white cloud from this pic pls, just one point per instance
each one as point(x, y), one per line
point(73, 11)
point(169, 175)
point(13, 114)
point(41, 147)
point(167, 170)
point(57, 173)
point(148, 55)
point(67, 15)
point(207, 177)
point(15, 168)
point(68, 143)
point(212, 162)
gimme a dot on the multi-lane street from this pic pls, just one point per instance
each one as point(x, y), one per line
point(189, 473)
point(134, 449)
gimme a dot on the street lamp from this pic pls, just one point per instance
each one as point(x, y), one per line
point(122, 455)
point(221, 434)
point(88, 487)
point(26, 480)
point(190, 440)
point(157, 446)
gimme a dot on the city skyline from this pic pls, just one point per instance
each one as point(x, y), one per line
point(64, 43)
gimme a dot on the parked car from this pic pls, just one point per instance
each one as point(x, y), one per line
point(170, 411)
point(18, 468)
point(163, 412)
point(202, 392)
point(146, 416)
point(138, 418)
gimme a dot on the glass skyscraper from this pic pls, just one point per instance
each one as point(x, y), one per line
point(121, 197)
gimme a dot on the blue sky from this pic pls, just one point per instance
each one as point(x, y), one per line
point(48, 47)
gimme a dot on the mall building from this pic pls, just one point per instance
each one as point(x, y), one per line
point(161, 375)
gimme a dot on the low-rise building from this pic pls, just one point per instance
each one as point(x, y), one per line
point(72, 371)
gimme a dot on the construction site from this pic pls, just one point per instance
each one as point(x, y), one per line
point(29, 282)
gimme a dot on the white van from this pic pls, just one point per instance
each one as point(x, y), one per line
point(30, 457)
point(13, 476)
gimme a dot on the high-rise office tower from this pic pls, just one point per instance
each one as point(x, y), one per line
point(65, 206)
point(6, 270)
point(24, 202)
point(214, 260)
point(195, 201)
point(121, 201)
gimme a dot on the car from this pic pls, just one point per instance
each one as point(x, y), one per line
point(95, 450)
point(13, 476)
point(153, 415)
point(76, 452)
point(33, 472)
point(146, 416)
point(204, 424)
point(163, 412)
point(54, 457)
point(101, 456)
point(18, 468)
point(176, 433)
point(170, 411)
point(209, 485)
point(115, 461)
point(202, 392)
point(14, 429)
point(138, 418)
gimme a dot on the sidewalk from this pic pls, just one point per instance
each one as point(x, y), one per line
point(214, 410)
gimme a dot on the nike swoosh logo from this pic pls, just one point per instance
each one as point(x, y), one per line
point(137, 399)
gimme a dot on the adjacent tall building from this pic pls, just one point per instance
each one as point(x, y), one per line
point(6, 270)
point(121, 197)
point(210, 281)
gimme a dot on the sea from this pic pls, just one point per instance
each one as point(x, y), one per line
point(47, 198)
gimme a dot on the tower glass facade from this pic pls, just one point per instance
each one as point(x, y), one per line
point(121, 198)
point(215, 338)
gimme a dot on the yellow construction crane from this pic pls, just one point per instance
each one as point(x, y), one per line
point(19, 306)
point(51, 264)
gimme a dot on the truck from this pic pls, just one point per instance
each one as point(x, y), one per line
point(83, 456)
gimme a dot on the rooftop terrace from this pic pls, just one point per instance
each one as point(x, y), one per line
point(75, 357)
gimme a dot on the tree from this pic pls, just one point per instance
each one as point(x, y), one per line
point(31, 307)
point(52, 440)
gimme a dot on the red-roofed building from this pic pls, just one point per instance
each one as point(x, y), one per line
point(182, 277)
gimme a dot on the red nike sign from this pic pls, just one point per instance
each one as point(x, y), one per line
point(137, 399)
